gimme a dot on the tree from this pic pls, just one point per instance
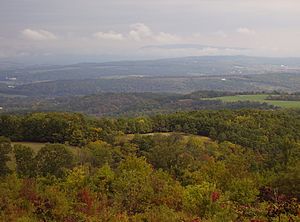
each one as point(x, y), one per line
point(201, 199)
point(143, 142)
point(52, 159)
point(102, 179)
point(243, 191)
point(167, 191)
point(169, 153)
point(288, 181)
point(101, 153)
point(132, 185)
point(24, 160)
point(162, 213)
point(11, 127)
point(5, 149)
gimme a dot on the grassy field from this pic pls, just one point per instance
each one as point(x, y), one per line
point(37, 146)
point(34, 146)
point(184, 135)
point(11, 95)
point(260, 98)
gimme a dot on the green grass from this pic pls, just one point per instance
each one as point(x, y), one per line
point(34, 146)
point(11, 95)
point(200, 139)
point(37, 146)
point(260, 98)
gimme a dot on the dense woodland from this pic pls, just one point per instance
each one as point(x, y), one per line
point(129, 104)
point(285, 97)
point(289, 82)
point(194, 166)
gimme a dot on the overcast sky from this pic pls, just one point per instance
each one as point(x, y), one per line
point(134, 29)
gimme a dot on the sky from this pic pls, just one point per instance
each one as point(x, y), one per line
point(58, 31)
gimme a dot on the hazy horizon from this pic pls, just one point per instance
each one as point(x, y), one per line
point(68, 31)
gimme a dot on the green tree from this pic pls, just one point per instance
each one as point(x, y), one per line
point(132, 185)
point(161, 213)
point(77, 138)
point(167, 191)
point(52, 159)
point(199, 199)
point(11, 127)
point(102, 180)
point(288, 181)
point(243, 191)
point(24, 160)
point(167, 153)
point(5, 149)
point(76, 179)
point(100, 153)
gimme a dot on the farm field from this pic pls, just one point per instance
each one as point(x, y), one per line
point(260, 98)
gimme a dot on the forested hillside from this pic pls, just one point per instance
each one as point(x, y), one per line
point(149, 111)
point(129, 104)
point(188, 166)
point(175, 75)
point(289, 82)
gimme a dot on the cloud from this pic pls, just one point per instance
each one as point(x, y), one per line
point(140, 31)
point(246, 31)
point(192, 46)
point(221, 34)
point(166, 37)
point(38, 35)
point(111, 35)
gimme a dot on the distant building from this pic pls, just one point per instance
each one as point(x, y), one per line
point(1, 107)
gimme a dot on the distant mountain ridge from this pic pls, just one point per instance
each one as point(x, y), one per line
point(186, 66)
